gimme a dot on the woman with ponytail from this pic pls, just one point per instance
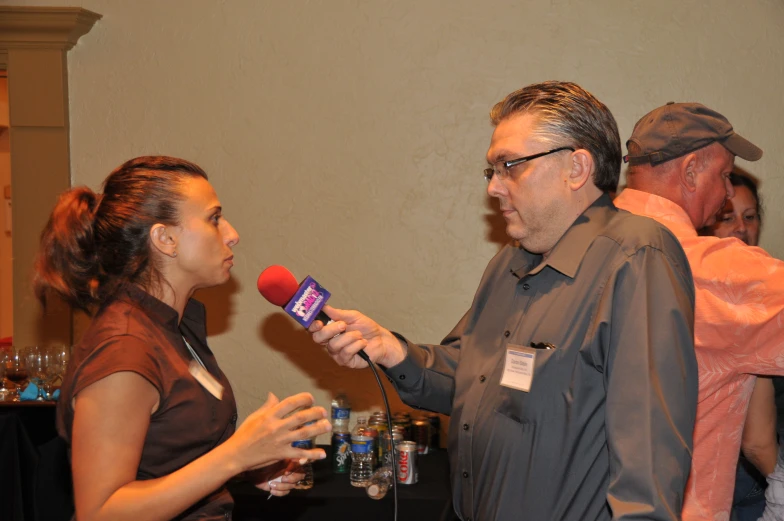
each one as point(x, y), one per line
point(148, 414)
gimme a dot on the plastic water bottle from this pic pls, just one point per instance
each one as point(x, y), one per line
point(379, 483)
point(341, 413)
point(307, 468)
point(362, 451)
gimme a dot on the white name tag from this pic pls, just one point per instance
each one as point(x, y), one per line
point(519, 368)
point(206, 379)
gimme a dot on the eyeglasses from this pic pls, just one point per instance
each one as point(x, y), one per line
point(501, 168)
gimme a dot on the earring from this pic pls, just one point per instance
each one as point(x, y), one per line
point(174, 254)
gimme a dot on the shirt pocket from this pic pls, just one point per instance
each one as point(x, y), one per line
point(532, 406)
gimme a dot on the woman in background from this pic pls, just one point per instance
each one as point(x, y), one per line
point(148, 414)
point(741, 218)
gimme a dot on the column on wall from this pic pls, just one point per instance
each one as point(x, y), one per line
point(34, 42)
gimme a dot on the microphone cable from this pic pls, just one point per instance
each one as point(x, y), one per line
point(395, 482)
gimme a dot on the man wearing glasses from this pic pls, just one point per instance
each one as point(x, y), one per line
point(571, 381)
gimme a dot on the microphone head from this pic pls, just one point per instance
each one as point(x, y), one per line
point(277, 285)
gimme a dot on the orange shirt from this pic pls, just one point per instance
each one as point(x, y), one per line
point(738, 332)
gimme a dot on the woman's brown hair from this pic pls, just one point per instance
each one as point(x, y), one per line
point(95, 243)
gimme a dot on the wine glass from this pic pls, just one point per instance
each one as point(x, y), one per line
point(56, 359)
point(5, 391)
point(16, 370)
point(37, 368)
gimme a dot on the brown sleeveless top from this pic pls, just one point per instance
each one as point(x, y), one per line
point(137, 332)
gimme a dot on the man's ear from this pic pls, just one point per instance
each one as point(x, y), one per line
point(687, 173)
point(163, 240)
point(582, 169)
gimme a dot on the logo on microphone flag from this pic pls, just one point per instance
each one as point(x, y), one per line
point(306, 303)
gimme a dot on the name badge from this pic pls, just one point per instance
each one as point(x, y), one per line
point(206, 379)
point(519, 368)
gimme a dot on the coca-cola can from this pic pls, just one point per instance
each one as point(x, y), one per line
point(421, 434)
point(407, 472)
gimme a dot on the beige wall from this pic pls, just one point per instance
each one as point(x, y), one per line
point(346, 139)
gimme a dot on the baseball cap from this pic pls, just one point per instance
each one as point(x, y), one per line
point(676, 129)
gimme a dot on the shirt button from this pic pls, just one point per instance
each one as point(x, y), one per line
point(526, 287)
point(465, 474)
point(482, 378)
point(465, 426)
point(402, 377)
point(234, 419)
point(507, 333)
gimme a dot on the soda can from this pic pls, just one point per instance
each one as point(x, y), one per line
point(421, 434)
point(341, 449)
point(379, 421)
point(388, 453)
point(407, 472)
point(379, 414)
point(404, 421)
point(435, 430)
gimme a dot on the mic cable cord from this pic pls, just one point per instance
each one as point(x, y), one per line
point(395, 483)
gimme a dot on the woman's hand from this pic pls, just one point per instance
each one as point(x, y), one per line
point(289, 473)
point(266, 435)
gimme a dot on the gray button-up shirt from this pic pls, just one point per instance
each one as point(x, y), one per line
point(605, 431)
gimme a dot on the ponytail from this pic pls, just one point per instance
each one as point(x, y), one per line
point(66, 263)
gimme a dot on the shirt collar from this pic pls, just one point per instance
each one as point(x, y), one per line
point(569, 251)
point(664, 211)
point(162, 312)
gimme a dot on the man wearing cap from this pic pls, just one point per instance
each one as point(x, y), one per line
point(681, 156)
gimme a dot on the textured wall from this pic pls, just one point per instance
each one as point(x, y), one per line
point(346, 139)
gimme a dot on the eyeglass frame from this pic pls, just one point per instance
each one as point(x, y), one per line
point(491, 171)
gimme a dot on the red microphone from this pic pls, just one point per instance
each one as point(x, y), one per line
point(277, 285)
point(302, 302)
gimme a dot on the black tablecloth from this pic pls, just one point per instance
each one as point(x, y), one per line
point(333, 497)
point(35, 479)
point(35, 482)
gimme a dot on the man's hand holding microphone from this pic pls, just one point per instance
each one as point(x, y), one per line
point(349, 332)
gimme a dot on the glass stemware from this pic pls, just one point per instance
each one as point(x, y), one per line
point(37, 368)
point(5, 390)
point(16, 370)
point(57, 358)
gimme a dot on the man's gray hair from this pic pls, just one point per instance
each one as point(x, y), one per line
point(570, 116)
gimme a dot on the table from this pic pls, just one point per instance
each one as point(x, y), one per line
point(333, 497)
point(34, 470)
point(36, 485)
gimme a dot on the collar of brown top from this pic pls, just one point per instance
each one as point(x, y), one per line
point(162, 312)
